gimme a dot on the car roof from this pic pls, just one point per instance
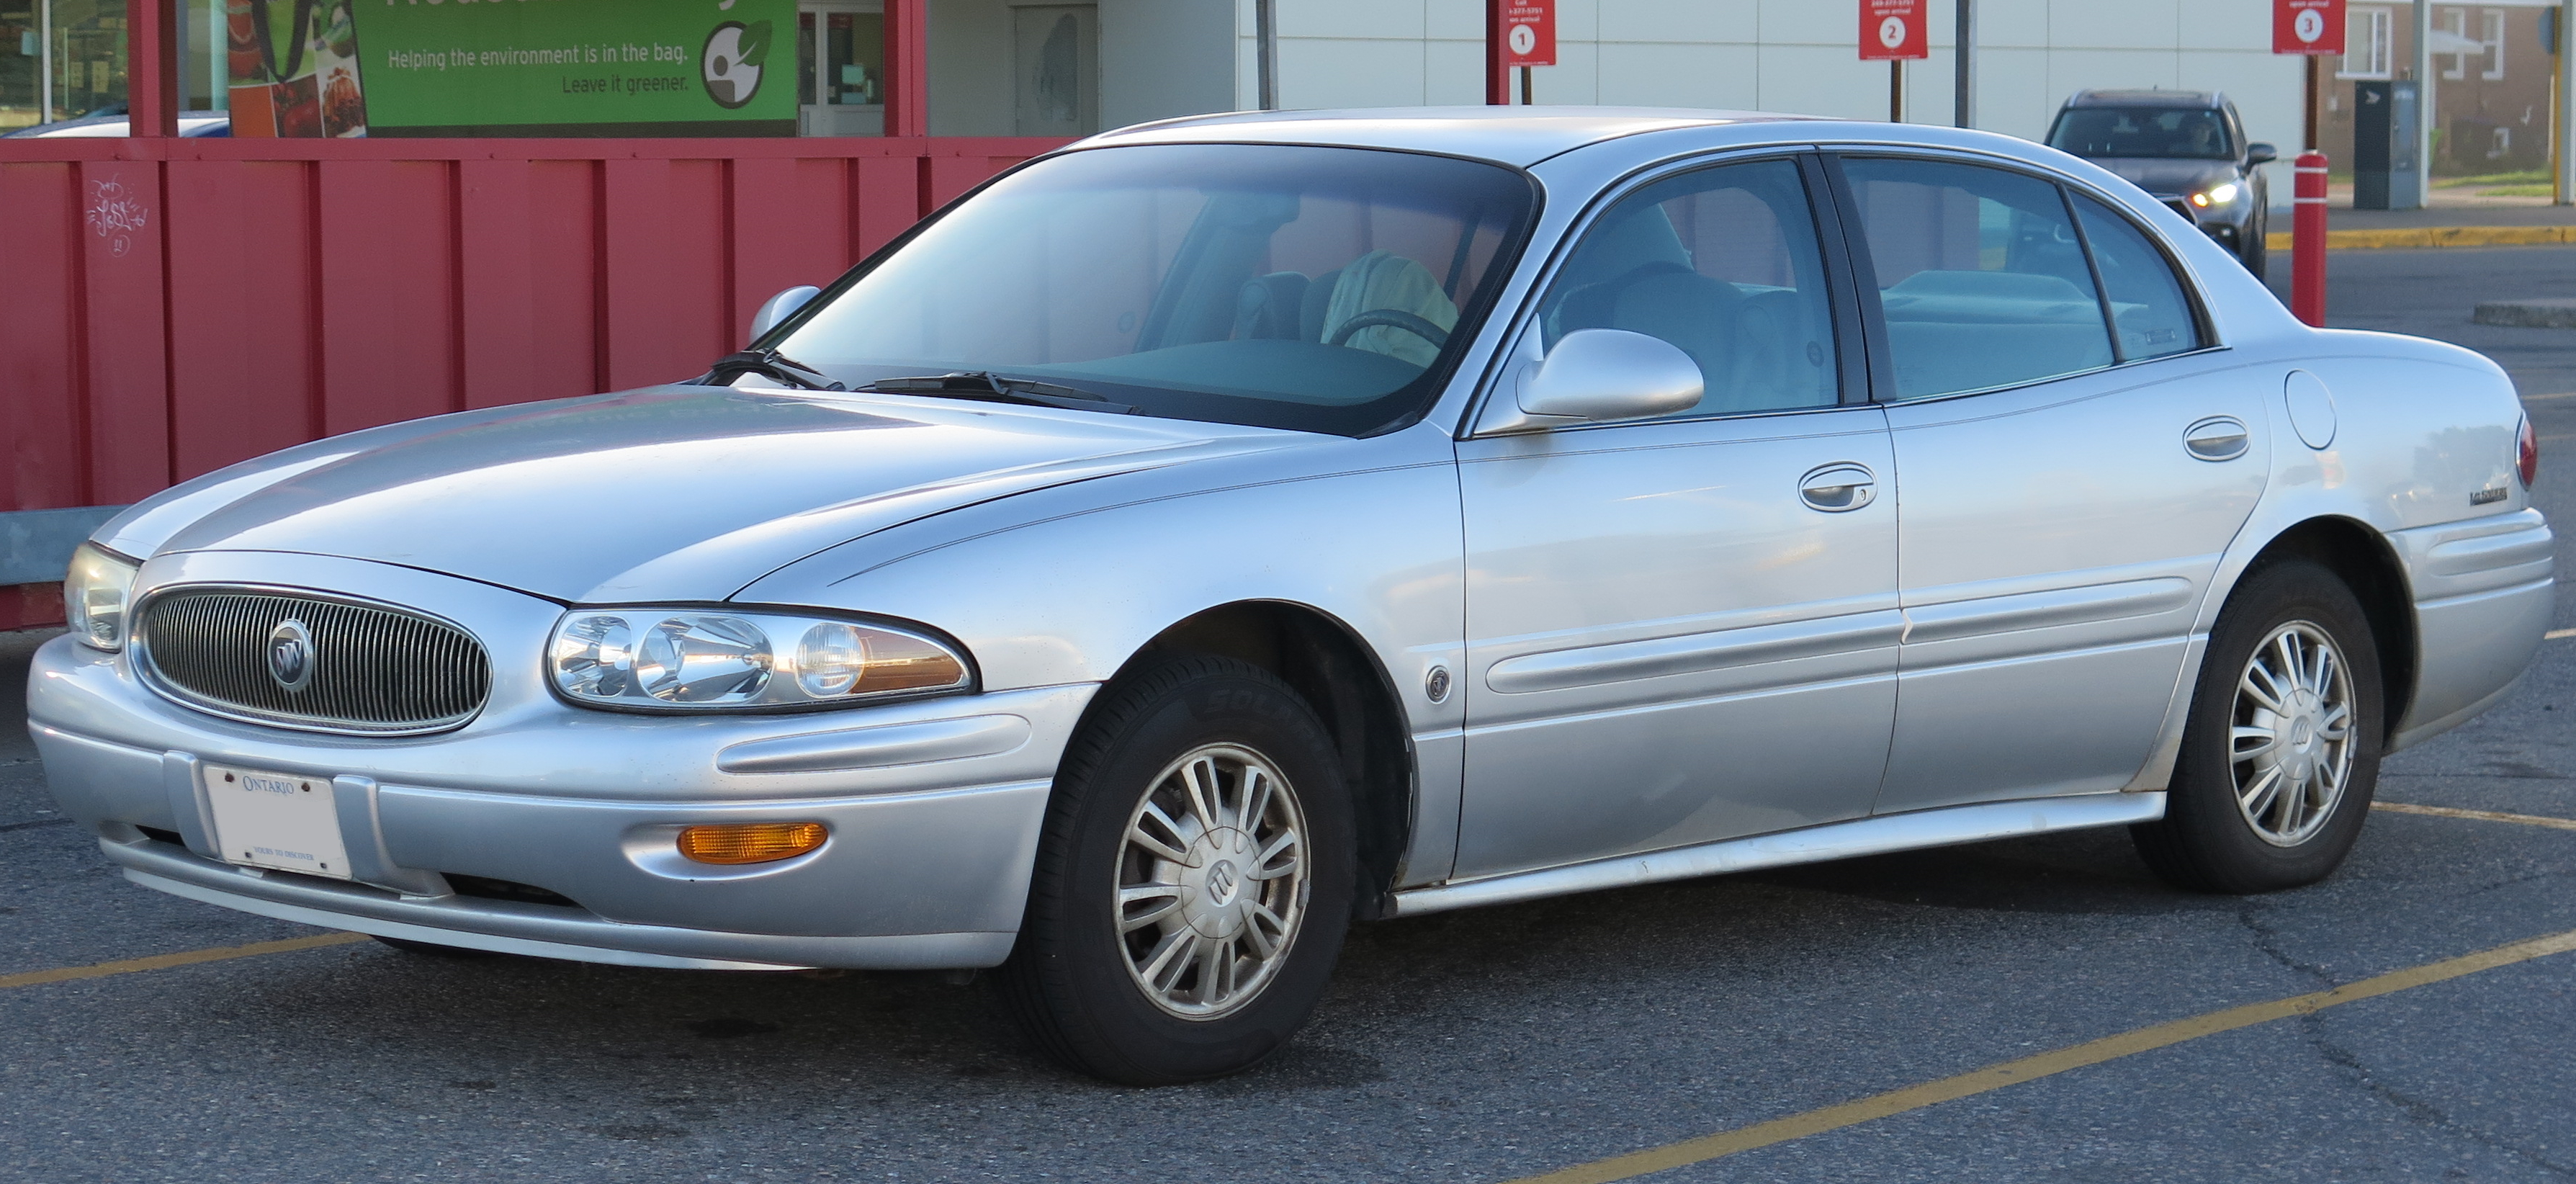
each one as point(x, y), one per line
point(1519, 136)
point(2147, 98)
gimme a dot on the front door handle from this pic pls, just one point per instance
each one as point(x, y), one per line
point(2219, 437)
point(1837, 488)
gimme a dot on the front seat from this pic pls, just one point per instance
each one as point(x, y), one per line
point(1385, 281)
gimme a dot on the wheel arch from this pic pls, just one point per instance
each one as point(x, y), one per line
point(1338, 674)
point(2361, 557)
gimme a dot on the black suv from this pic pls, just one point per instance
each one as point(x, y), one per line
point(2187, 148)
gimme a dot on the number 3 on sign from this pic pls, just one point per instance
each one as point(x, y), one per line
point(2307, 26)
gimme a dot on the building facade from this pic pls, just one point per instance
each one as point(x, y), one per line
point(1070, 67)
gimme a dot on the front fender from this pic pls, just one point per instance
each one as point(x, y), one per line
point(1065, 585)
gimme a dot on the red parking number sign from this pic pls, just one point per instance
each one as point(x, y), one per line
point(2307, 26)
point(1529, 32)
point(1891, 30)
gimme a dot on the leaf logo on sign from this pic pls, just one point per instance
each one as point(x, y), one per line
point(731, 63)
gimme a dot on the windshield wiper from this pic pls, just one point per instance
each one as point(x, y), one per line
point(993, 388)
point(768, 363)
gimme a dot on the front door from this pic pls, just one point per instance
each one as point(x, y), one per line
point(1683, 629)
point(840, 59)
point(2074, 462)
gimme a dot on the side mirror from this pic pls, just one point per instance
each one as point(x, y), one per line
point(781, 307)
point(2261, 154)
point(1596, 376)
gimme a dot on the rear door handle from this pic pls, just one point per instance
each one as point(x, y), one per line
point(1837, 488)
point(2219, 437)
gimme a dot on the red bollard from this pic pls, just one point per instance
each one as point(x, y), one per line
point(2308, 240)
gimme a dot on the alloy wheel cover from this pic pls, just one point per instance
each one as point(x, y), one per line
point(2290, 734)
point(1211, 881)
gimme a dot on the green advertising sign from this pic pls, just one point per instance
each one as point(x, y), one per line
point(513, 67)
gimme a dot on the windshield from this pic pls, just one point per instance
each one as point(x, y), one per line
point(2178, 132)
point(1320, 289)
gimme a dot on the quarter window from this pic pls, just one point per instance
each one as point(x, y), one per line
point(1722, 262)
point(1981, 277)
point(2147, 302)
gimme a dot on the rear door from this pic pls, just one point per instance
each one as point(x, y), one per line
point(2073, 457)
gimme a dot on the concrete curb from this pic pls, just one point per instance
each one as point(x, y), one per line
point(2527, 314)
point(2434, 236)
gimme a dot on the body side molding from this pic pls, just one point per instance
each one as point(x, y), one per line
point(1839, 840)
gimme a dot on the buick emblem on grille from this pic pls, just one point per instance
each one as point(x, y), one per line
point(290, 655)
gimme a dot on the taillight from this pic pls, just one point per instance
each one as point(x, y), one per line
point(2526, 454)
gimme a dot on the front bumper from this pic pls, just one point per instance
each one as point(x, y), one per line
point(2228, 225)
point(933, 807)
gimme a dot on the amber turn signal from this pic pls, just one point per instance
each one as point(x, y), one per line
point(750, 842)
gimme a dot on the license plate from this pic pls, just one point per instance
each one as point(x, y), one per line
point(285, 821)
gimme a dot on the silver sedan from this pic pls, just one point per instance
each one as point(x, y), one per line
point(1225, 529)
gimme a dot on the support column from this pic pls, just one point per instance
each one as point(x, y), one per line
point(1265, 52)
point(151, 68)
point(1963, 59)
point(2566, 125)
point(2425, 83)
point(2312, 100)
point(907, 50)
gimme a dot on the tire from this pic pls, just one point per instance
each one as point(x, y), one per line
point(1095, 996)
point(2223, 830)
point(2255, 251)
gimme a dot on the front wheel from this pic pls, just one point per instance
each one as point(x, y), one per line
point(2281, 751)
point(1193, 883)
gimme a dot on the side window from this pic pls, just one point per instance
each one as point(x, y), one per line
point(2147, 302)
point(1723, 263)
point(1980, 275)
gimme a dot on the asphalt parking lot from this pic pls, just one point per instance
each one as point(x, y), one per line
point(1488, 1045)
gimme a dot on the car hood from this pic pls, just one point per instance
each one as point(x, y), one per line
point(685, 493)
point(2165, 175)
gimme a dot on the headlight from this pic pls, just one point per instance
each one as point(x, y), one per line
point(2216, 197)
point(95, 593)
point(688, 659)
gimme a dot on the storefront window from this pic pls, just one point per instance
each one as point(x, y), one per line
point(840, 69)
point(60, 59)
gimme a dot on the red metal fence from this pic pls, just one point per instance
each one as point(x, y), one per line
point(168, 307)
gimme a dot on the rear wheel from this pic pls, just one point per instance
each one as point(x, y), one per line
point(2281, 751)
point(1194, 881)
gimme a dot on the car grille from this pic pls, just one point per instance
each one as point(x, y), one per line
point(374, 670)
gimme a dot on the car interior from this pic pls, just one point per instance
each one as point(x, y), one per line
point(1709, 263)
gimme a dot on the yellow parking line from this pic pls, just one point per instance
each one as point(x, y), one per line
point(37, 978)
point(2479, 815)
point(1994, 1077)
point(2555, 634)
point(2433, 236)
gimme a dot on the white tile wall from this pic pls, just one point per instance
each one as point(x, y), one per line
point(1784, 55)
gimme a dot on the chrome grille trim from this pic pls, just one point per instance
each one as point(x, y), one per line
point(379, 669)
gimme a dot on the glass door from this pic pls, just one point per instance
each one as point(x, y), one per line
point(840, 61)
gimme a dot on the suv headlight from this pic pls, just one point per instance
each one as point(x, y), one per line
point(95, 593)
point(2217, 196)
point(701, 659)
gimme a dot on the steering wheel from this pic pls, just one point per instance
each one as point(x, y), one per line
point(1393, 319)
